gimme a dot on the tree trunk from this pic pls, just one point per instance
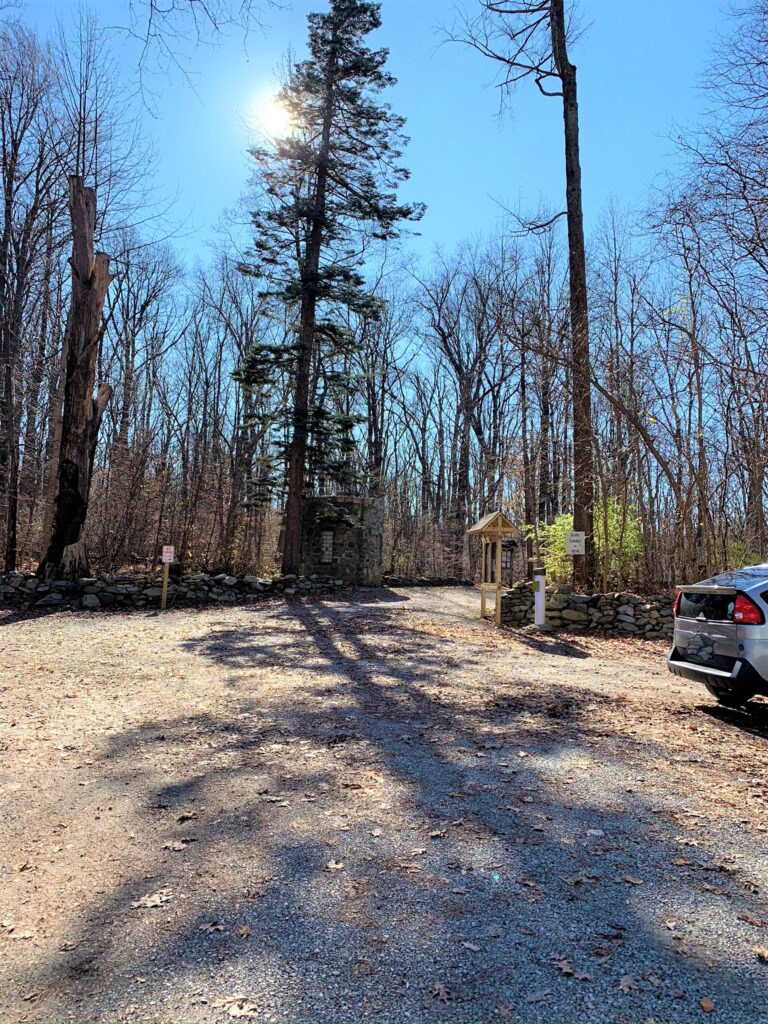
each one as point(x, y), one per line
point(297, 456)
point(583, 485)
point(65, 555)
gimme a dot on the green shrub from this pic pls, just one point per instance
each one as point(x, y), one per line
point(625, 544)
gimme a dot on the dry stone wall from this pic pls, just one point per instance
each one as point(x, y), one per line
point(621, 613)
point(142, 591)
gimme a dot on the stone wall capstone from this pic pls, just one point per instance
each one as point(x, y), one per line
point(621, 613)
point(145, 591)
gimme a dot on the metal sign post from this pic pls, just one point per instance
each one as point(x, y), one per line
point(167, 557)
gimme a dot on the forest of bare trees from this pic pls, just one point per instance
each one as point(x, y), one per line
point(460, 387)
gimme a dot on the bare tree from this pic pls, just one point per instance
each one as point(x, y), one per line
point(529, 39)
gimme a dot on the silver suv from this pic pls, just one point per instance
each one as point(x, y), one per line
point(721, 636)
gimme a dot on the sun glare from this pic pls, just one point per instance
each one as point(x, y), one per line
point(271, 117)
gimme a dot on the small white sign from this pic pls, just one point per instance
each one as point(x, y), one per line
point(169, 553)
point(575, 542)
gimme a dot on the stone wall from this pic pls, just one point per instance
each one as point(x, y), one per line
point(142, 591)
point(357, 528)
point(625, 614)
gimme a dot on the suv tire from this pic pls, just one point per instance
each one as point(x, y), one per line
point(729, 696)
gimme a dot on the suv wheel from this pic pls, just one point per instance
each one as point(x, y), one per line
point(729, 696)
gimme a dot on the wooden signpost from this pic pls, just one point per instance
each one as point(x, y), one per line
point(168, 556)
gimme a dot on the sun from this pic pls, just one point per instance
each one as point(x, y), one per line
point(271, 117)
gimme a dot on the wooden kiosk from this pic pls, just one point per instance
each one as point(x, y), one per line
point(491, 529)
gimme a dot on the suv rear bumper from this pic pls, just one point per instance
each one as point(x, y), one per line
point(742, 676)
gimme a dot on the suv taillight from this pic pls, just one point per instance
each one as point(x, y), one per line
point(676, 602)
point(746, 612)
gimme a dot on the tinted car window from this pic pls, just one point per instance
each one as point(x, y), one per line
point(712, 606)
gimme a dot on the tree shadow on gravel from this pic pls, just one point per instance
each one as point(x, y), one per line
point(752, 719)
point(552, 645)
point(484, 887)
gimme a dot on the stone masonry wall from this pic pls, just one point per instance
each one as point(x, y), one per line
point(142, 591)
point(357, 525)
point(625, 614)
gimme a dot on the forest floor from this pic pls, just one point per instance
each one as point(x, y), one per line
point(371, 808)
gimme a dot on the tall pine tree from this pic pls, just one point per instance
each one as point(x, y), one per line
point(327, 190)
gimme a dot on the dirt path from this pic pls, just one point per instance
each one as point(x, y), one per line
point(374, 808)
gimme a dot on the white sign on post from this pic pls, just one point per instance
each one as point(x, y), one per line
point(575, 542)
point(169, 553)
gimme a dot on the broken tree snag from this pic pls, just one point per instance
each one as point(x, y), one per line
point(65, 556)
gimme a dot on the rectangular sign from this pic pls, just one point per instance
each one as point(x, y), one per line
point(575, 542)
point(169, 553)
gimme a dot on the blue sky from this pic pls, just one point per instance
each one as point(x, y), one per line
point(640, 66)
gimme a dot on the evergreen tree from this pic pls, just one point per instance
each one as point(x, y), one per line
point(327, 191)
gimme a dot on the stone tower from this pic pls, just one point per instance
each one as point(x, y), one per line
point(342, 536)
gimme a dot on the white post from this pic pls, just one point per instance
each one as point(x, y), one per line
point(539, 597)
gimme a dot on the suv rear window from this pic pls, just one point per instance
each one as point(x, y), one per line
point(718, 607)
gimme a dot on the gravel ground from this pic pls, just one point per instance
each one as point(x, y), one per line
point(371, 808)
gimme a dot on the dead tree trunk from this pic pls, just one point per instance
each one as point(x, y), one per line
point(583, 469)
point(65, 556)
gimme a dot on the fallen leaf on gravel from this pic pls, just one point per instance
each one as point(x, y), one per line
point(762, 953)
point(627, 983)
point(187, 816)
point(602, 951)
point(237, 1006)
point(335, 865)
point(471, 946)
point(176, 845)
point(211, 926)
point(754, 921)
point(437, 834)
point(504, 1009)
point(155, 899)
point(65, 947)
point(632, 880)
point(494, 932)
point(376, 832)
point(564, 966)
point(538, 997)
point(20, 935)
point(243, 931)
point(29, 997)
point(706, 1004)
point(726, 869)
point(682, 862)
point(440, 993)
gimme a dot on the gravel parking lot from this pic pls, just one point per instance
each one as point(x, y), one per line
point(371, 808)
